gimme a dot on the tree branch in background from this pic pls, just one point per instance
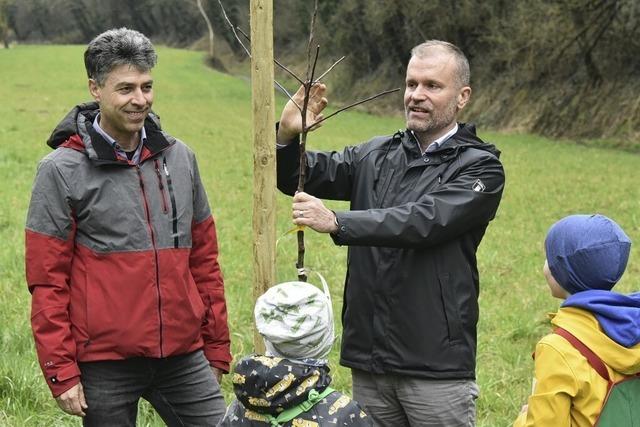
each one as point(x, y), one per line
point(291, 73)
point(329, 70)
point(286, 92)
point(371, 98)
point(312, 27)
point(206, 18)
point(233, 29)
point(583, 33)
point(282, 88)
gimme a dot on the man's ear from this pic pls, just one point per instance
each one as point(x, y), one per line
point(463, 97)
point(94, 89)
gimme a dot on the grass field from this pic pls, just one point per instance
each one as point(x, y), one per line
point(212, 113)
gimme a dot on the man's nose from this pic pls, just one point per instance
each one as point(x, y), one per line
point(419, 94)
point(138, 97)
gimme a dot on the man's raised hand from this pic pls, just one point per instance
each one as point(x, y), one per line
point(291, 118)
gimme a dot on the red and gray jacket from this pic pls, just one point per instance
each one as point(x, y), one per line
point(121, 259)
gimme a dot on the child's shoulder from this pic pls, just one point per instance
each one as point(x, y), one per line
point(554, 352)
point(553, 342)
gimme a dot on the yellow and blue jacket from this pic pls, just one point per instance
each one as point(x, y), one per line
point(567, 391)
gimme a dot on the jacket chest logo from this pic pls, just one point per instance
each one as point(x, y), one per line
point(478, 186)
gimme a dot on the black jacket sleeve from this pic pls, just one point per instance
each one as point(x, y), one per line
point(438, 216)
point(329, 174)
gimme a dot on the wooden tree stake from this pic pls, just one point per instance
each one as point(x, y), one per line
point(264, 156)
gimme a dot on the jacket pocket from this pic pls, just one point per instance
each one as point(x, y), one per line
point(200, 305)
point(450, 309)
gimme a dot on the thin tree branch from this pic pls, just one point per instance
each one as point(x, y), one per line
point(303, 137)
point(371, 98)
point(585, 29)
point(313, 68)
point(291, 73)
point(275, 60)
point(246, 36)
point(233, 29)
point(288, 95)
point(330, 68)
point(312, 27)
point(282, 88)
point(302, 276)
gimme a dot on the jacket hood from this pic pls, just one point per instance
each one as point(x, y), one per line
point(465, 137)
point(267, 384)
point(617, 314)
point(77, 127)
point(68, 126)
point(585, 326)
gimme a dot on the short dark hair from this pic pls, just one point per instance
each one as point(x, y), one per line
point(116, 47)
point(464, 74)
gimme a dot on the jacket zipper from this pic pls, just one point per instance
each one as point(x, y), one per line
point(155, 253)
point(174, 210)
point(165, 209)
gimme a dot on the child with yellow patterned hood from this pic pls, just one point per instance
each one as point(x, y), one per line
point(289, 386)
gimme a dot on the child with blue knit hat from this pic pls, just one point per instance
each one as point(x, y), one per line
point(586, 255)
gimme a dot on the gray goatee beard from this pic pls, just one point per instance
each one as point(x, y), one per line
point(436, 121)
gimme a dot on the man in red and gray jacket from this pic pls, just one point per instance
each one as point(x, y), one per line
point(121, 256)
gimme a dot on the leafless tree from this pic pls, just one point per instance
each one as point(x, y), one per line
point(307, 82)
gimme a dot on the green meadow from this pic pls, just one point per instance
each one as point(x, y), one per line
point(211, 112)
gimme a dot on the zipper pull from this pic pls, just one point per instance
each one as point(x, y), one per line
point(164, 166)
point(157, 164)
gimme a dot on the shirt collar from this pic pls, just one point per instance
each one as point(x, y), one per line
point(446, 136)
point(119, 151)
point(438, 142)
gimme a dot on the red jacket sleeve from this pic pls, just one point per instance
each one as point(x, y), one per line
point(205, 270)
point(49, 243)
point(203, 263)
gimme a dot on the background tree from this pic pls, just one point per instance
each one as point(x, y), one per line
point(4, 23)
point(554, 67)
point(203, 12)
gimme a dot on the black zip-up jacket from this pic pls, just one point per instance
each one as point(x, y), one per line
point(411, 291)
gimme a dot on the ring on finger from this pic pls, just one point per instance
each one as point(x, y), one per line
point(300, 214)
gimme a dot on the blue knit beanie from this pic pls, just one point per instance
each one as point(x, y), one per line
point(587, 252)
